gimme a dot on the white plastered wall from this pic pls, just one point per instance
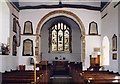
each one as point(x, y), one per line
point(109, 28)
point(86, 17)
point(7, 62)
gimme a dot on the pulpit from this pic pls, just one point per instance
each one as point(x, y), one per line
point(95, 63)
point(95, 60)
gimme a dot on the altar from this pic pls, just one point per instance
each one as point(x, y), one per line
point(60, 65)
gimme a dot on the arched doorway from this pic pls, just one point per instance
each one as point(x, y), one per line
point(105, 50)
point(57, 13)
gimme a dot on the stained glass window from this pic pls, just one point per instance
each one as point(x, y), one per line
point(60, 37)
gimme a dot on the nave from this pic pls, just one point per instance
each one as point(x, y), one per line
point(64, 31)
point(75, 75)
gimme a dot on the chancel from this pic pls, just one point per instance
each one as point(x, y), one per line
point(59, 41)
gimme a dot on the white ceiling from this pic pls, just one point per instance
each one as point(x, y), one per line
point(59, 0)
point(95, 3)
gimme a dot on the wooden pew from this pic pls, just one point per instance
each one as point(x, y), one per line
point(101, 77)
point(25, 77)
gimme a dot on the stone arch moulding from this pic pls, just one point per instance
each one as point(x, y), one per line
point(59, 13)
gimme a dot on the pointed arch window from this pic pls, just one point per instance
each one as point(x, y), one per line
point(60, 38)
point(27, 47)
point(28, 29)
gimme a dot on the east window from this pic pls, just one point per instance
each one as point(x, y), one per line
point(60, 38)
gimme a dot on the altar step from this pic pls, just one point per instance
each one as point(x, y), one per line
point(61, 76)
point(61, 79)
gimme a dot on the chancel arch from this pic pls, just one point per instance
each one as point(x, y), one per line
point(66, 17)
